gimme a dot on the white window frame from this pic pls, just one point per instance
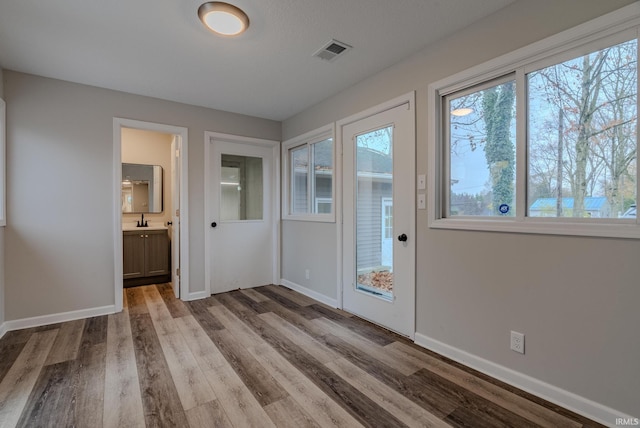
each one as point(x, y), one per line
point(308, 139)
point(319, 201)
point(596, 34)
point(3, 186)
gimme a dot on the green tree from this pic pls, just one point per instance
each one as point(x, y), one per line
point(596, 146)
point(497, 107)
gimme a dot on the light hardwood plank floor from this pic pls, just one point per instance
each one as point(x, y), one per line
point(262, 357)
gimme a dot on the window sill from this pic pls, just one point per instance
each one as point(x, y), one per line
point(319, 218)
point(628, 230)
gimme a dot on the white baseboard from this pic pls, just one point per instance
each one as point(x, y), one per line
point(309, 293)
point(56, 318)
point(197, 295)
point(583, 406)
point(3, 329)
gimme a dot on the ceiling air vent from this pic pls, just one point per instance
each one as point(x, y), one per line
point(332, 50)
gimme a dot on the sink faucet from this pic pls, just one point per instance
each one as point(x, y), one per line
point(142, 223)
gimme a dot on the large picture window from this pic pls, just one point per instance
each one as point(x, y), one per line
point(546, 145)
point(482, 150)
point(309, 181)
point(581, 139)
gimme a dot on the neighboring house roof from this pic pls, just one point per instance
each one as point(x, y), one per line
point(590, 203)
point(369, 160)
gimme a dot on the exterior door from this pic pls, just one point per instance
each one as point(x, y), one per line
point(242, 238)
point(379, 218)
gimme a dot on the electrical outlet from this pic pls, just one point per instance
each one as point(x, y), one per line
point(307, 273)
point(517, 342)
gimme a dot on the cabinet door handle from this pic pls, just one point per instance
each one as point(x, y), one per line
point(142, 236)
point(146, 236)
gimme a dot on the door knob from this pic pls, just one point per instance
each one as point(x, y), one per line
point(214, 224)
point(402, 238)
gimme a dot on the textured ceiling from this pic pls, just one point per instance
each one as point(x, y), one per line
point(159, 48)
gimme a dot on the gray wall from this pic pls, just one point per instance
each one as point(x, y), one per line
point(1, 234)
point(310, 246)
point(60, 177)
point(576, 299)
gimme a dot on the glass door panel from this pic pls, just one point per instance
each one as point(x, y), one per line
point(241, 189)
point(374, 212)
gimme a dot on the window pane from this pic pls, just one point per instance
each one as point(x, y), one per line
point(241, 191)
point(323, 175)
point(482, 160)
point(374, 212)
point(299, 160)
point(323, 206)
point(582, 135)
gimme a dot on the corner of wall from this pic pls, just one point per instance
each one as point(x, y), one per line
point(309, 293)
point(2, 324)
point(1, 84)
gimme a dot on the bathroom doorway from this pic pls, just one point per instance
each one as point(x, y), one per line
point(150, 210)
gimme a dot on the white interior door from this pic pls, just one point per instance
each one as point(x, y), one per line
point(242, 230)
point(175, 215)
point(378, 190)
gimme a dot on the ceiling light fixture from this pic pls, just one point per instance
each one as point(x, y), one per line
point(223, 18)
point(462, 112)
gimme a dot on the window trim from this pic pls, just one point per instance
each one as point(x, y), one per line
point(588, 36)
point(322, 201)
point(307, 139)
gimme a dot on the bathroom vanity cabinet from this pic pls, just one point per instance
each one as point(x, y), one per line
point(146, 257)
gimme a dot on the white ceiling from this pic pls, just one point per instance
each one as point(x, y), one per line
point(159, 48)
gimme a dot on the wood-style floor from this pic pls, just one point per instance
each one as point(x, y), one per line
point(262, 357)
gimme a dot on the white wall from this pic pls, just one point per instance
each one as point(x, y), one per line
point(149, 148)
point(60, 145)
point(576, 299)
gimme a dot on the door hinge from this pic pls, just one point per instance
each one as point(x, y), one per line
point(177, 153)
point(178, 272)
point(178, 212)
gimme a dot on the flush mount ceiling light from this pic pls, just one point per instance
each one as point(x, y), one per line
point(462, 112)
point(223, 18)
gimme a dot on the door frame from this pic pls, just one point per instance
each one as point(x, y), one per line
point(209, 138)
point(410, 98)
point(182, 133)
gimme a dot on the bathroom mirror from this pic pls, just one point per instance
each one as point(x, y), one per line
point(141, 188)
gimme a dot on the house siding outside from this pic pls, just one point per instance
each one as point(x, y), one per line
point(369, 222)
